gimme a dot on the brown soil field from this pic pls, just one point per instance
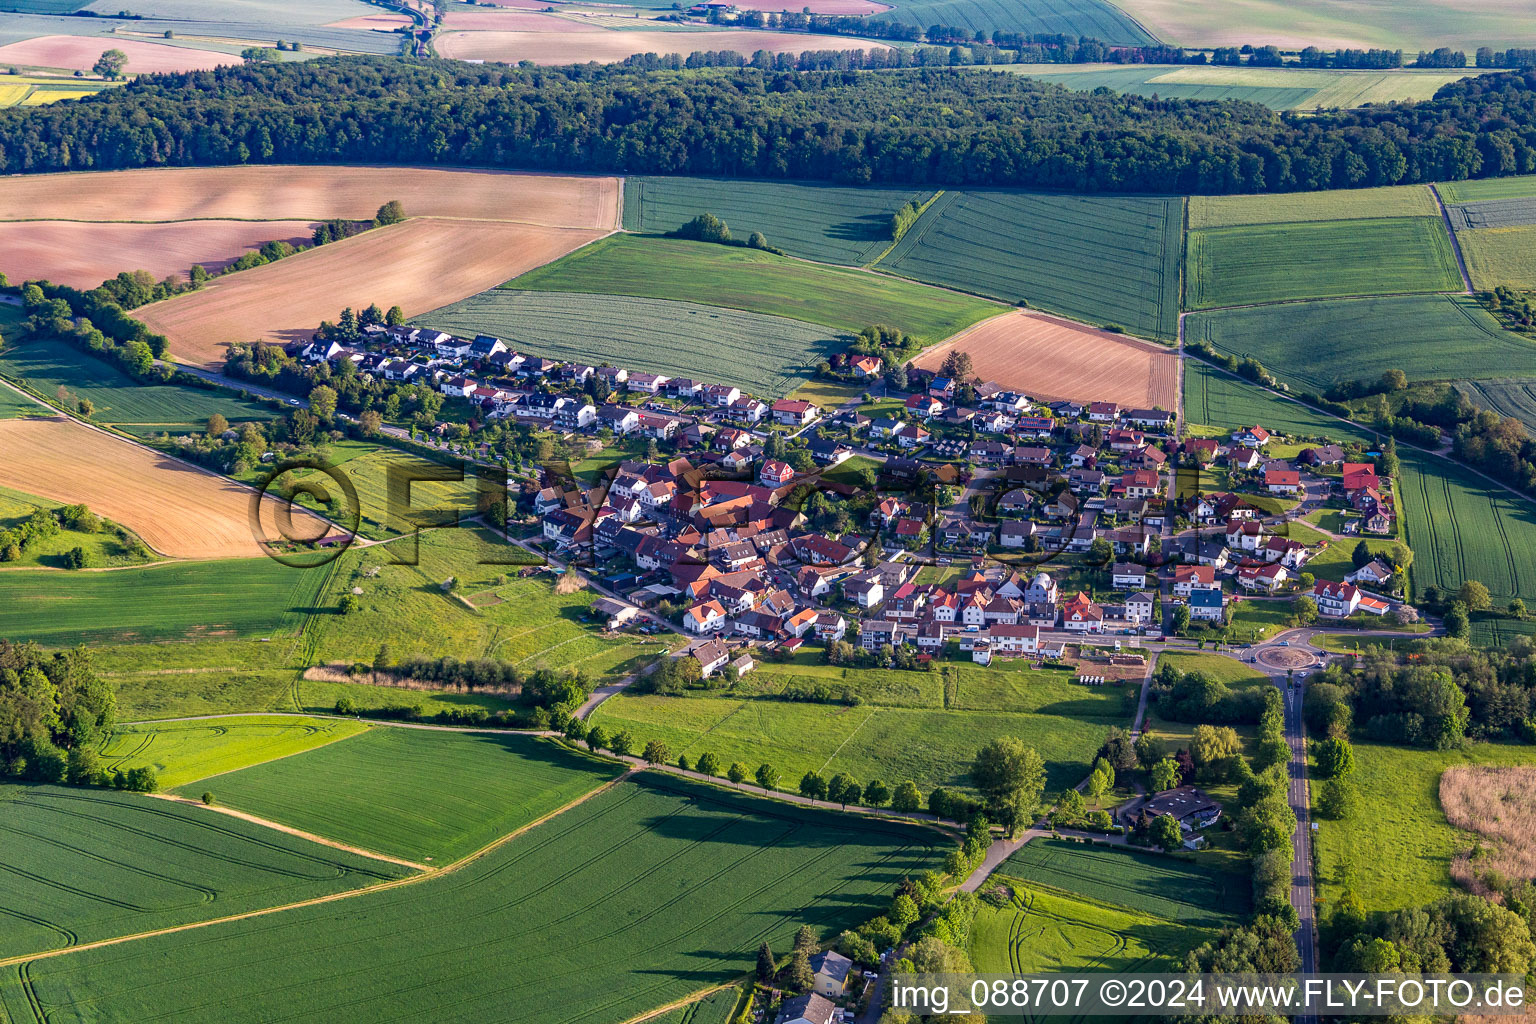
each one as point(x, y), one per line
point(382, 22)
point(419, 265)
point(607, 47)
point(79, 53)
point(281, 192)
point(1052, 359)
point(82, 255)
point(179, 511)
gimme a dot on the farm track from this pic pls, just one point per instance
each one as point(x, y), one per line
point(1450, 229)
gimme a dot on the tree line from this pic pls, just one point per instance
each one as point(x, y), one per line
point(895, 128)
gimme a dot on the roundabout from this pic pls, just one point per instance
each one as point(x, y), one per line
point(1286, 659)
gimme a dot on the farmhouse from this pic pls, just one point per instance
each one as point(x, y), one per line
point(1191, 807)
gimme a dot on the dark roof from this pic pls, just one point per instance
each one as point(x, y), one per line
point(832, 963)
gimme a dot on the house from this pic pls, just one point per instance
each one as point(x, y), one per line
point(1139, 607)
point(619, 419)
point(1336, 600)
point(912, 435)
point(1036, 427)
point(1373, 573)
point(1081, 615)
point(1187, 805)
point(801, 622)
point(1360, 476)
point(1203, 448)
point(749, 409)
point(832, 971)
point(711, 656)
point(708, 617)
point(793, 412)
point(775, 473)
point(1140, 483)
point(1324, 455)
point(1155, 419)
point(865, 589)
point(1063, 506)
point(1103, 412)
point(615, 612)
point(924, 405)
point(1015, 533)
point(1252, 437)
point(1086, 481)
point(1121, 440)
point(1378, 522)
point(650, 383)
point(1206, 604)
point(1016, 502)
point(1268, 577)
point(865, 366)
point(1127, 576)
point(484, 346)
point(1188, 577)
point(811, 1008)
point(830, 626)
point(1246, 459)
point(1042, 589)
point(1280, 480)
point(1083, 456)
point(1245, 535)
point(720, 396)
point(876, 633)
point(1290, 553)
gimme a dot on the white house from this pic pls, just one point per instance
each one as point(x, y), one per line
point(708, 617)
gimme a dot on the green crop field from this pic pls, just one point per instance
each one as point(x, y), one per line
point(1216, 403)
point(1103, 259)
point(760, 282)
point(1463, 527)
point(119, 400)
point(1493, 213)
point(1319, 259)
point(768, 356)
point(183, 752)
point(171, 601)
point(13, 404)
point(1288, 88)
point(639, 897)
point(1517, 187)
point(1299, 207)
point(83, 865)
point(1515, 398)
point(423, 795)
point(1500, 632)
point(1180, 888)
point(1096, 18)
point(1398, 851)
point(715, 1008)
point(850, 226)
point(1313, 345)
point(1500, 256)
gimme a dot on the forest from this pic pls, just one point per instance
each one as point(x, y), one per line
point(947, 127)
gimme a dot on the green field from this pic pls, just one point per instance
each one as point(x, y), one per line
point(119, 400)
point(431, 796)
point(1183, 888)
point(1515, 398)
point(1096, 18)
point(1319, 259)
point(1214, 398)
point(183, 752)
point(106, 548)
point(1493, 213)
point(83, 865)
point(1500, 256)
point(1463, 527)
point(1515, 187)
point(1156, 80)
point(1398, 850)
point(759, 282)
point(715, 1008)
point(1103, 259)
point(1313, 345)
point(639, 897)
point(1289, 88)
point(1225, 670)
point(1501, 632)
point(768, 356)
point(171, 601)
point(1298, 207)
point(35, 90)
point(850, 226)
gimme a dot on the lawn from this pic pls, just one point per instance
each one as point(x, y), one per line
point(758, 282)
point(1500, 256)
point(1181, 887)
point(768, 356)
point(1222, 669)
point(1397, 846)
point(1462, 527)
point(1102, 259)
point(83, 865)
point(1098, 19)
point(1046, 932)
point(1313, 345)
point(104, 548)
point(170, 601)
point(1222, 402)
point(1296, 207)
point(850, 226)
point(828, 394)
point(1259, 620)
point(639, 897)
point(427, 796)
point(1319, 259)
point(45, 366)
point(183, 752)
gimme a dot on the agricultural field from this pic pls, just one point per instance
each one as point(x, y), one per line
point(1109, 259)
point(1397, 852)
point(1500, 632)
point(1217, 403)
point(176, 509)
point(766, 355)
point(1174, 888)
point(1319, 259)
point(183, 752)
point(1044, 932)
point(1048, 358)
point(1096, 18)
point(686, 879)
point(850, 226)
point(173, 601)
point(1306, 207)
point(715, 1008)
point(82, 865)
point(1522, 186)
point(760, 282)
point(1276, 88)
point(36, 90)
point(558, 44)
point(1493, 213)
point(1330, 24)
point(1500, 256)
point(1428, 337)
point(79, 53)
point(1463, 526)
point(45, 365)
point(1515, 398)
point(403, 792)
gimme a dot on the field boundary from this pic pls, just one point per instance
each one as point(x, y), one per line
point(686, 1001)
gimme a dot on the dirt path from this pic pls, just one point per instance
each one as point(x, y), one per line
point(686, 1001)
point(1445, 215)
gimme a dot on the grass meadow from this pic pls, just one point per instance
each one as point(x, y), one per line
point(685, 879)
point(1103, 259)
point(766, 355)
point(758, 282)
point(105, 548)
point(83, 865)
point(1216, 403)
point(1500, 256)
point(424, 795)
point(183, 752)
point(1428, 337)
point(850, 226)
point(1319, 259)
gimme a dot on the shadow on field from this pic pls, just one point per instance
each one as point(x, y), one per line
point(872, 227)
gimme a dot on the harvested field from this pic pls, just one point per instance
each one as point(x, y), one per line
point(563, 47)
point(516, 21)
point(309, 193)
point(379, 22)
point(418, 265)
point(79, 53)
point(177, 510)
point(1498, 804)
point(1055, 359)
point(82, 255)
